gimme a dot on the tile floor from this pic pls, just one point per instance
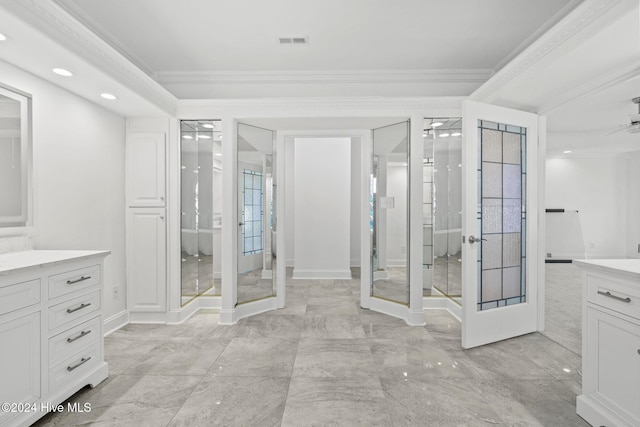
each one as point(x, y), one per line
point(325, 361)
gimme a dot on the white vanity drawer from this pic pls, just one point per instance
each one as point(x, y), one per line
point(20, 295)
point(73, 309)
point(73, 340)
point(74, 367)
point(614, 295)
point(71, 281)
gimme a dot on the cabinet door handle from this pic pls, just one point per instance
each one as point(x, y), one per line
point(81, 279)
point(80, 363)
point(610, 295)
point(82, 334)
point(80, 307)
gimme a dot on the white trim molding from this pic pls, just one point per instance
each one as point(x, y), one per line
point(328, 76)
point(56, 23)
point(573, 28)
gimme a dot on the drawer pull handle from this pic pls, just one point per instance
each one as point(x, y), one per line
point(80, 363)
point(82, 334)
point(80, 307)
point(608, 294)
point(81, 279)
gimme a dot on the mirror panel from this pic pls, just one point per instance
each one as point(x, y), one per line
point(256, 219)
point(15, 158)
point(201, 207)
point(443, 145)
point(390, 200)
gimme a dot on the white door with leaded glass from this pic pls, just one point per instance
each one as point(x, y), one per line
point(500, 222)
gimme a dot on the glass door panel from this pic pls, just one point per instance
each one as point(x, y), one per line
point(201, 195)
point(390, 200)
point(442, 194)
point(256, 185)
point(500, 262)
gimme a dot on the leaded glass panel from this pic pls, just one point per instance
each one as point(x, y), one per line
point(501, 215)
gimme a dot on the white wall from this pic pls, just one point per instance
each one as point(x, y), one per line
point(356, 202)
point(78, 176)
point(322, 208)
point(597, 188)
point(633, 204)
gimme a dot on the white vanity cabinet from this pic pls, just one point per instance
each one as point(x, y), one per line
point(51, 338)
point(610, 343)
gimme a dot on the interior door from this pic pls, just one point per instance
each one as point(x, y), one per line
point(500, 220)
point(390, 214)
point(255, 226)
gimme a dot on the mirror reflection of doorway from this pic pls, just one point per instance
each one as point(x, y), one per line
point(442, 208)
point(201, 208)
point(389, 224)
point(256, 205)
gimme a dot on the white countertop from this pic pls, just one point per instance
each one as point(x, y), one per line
point(15, 261)
point(629, 267)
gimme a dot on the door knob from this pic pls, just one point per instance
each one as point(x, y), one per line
point(473, 239)
point(240, 224)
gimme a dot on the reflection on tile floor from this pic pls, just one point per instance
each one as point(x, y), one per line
point(325, 361)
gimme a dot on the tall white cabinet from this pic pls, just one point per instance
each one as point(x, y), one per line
point(610, 342)
point(147, 145)
point(51, 333)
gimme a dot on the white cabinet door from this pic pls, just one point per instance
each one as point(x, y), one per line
point(146, 166)
point(612, 371)
point(19, 361)
point(146, 260)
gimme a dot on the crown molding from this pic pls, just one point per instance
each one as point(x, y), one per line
point(325, 77)
point(558, 38)
point(53, 21)
point(321, 107)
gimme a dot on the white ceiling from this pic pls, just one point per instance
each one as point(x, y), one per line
point(195, 36)
point(213, 49)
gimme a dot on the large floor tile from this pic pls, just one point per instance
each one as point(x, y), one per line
point(180, 356)
point(437, 402)
point(133, 400)
point(234, 401)
point(332, 326)
point(414, 359)
point(334, 358)
point(256, 357)
point(336, 402)
point(531, 402)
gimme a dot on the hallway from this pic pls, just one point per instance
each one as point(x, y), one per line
point(324, 361)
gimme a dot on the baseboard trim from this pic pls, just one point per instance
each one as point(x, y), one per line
point(435, 303)
point(115, 322)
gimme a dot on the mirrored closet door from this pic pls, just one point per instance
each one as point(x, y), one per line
point(201, 207)
point(389, 200)
point(256, 213)
point(442, 207)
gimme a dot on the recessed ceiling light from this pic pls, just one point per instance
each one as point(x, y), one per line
point(456, 134)
point(436, 124)
point(444, 135)
point(203, 137)
point(3, 37)
point(108, 96)
point(62, 72)
point(566, 152)
point(207, 125)
point(187, 137)
point(218, 154)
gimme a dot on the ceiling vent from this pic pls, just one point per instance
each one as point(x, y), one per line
point(293, 40)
